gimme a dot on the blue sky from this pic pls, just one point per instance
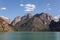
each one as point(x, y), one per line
point(13, 8)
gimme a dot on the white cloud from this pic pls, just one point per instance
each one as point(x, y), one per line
point(3, 8)
point(28, 7)
point(21, 4)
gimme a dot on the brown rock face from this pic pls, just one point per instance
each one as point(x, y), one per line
point(4, 26)
point(7, 20)
point(38, 22)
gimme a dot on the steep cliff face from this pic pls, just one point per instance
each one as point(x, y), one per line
point(4, 26)
point(39, 22)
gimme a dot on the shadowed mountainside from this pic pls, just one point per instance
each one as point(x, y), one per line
point(54, 26)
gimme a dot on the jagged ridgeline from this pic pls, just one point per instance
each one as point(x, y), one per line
point(30, 22)
point(37, 22)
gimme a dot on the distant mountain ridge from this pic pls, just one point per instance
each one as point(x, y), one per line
point(31, 22)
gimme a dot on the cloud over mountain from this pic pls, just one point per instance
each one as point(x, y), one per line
point(28, 7)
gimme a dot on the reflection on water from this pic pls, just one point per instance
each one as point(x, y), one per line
point(30, 36)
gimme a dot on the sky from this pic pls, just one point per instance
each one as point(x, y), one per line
point(13, 8)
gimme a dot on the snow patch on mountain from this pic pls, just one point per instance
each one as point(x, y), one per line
point(4, 17)
point(56, 18)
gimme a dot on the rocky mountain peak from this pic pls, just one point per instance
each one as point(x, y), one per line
point(29, 15)
point(44, 16)
point(26, 17)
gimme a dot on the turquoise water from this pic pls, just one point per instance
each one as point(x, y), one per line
point(30, 36)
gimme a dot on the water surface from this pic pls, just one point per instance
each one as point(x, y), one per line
point(30, 36)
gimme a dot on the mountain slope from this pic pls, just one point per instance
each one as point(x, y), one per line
point(16, 19)
point(55, 24)
point(38, 22)
point(4, 26)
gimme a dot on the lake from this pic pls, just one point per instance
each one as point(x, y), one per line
point(30, 36)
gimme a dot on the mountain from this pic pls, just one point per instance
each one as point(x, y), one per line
point(6, 19)
point(55, 23)
point(21, 19)
point(38, 22)
point(54, 26)
point(30, 22)
point(26, 18)
point(4, 25)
